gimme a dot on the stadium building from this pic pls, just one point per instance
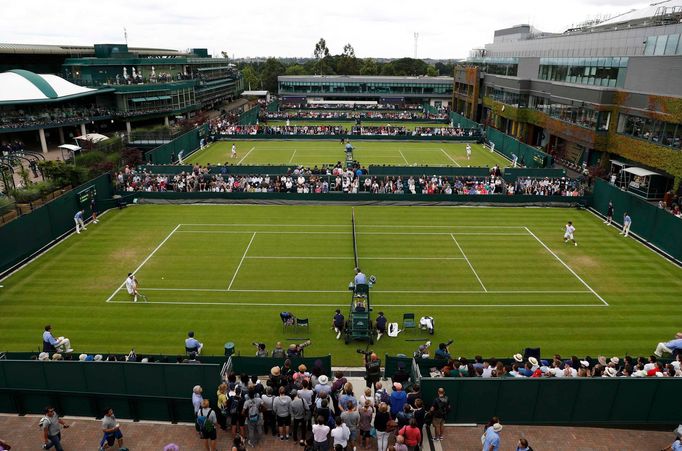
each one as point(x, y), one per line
point(307, 89)
point(104, 88)
point(605, 89)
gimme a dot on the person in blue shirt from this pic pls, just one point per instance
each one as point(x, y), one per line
point(381, 325)
point(492, 438)
point(627, 222)
point(78, 219)
point(360, 277)
point(670, 346)
point(192, 343)
point(443, 352)
point(51, 344)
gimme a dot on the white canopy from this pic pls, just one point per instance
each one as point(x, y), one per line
point(70, 147)
point(25, 86)
point(640, 171)
point(92, 137)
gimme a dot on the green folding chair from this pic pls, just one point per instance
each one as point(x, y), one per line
point(408, 321)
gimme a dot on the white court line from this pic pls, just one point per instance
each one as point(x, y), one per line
point(308, 257)
point(403, 155)
point(408, 226)
point(145, 260)
point(292, 156)
point(247, 154)
point(467, 260)
point(289, 304)
point(448, 155)
point(567, 267)
point(241, 261)
point(220, 290)
point(347, 233)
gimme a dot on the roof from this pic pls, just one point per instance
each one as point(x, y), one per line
point(640, 172)
point(76, 49)
point(22, 86)
point(365, 79)
point(255, 93)
point(636, 15)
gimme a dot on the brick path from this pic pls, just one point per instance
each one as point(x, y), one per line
point(23, 434)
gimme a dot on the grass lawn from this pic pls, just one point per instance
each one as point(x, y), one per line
point(348, 124)
point(311, 153)
point(495, 279)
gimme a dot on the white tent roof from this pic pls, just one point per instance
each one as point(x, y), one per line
point(92, 137)
point(25, 86)
point(70, 147)
point(640, 171)
point(667, 7)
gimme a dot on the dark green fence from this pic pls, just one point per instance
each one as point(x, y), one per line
point(527, 155)
point(653, 225)
point(578, 401)
point(140, 391)
point(461, 121)
point(187, 143)
point(250, 117)
point(261, 366)
point(31, 232)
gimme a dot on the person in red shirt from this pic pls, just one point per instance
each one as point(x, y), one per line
point(412, 435)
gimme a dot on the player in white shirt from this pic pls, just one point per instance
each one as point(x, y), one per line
point(131, 286)
point(568, 234)
point(234, 151)
point(468, 151)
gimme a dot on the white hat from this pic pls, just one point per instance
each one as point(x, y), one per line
point(533, 361)
point(497, 427)
point(323, 379)
point(615, 360)
point(610, 372)
point(585, 363)
point(43, 356)
point(98, 357)
point(82, 357)
point(518, 358)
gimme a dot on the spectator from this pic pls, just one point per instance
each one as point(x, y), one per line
point(252, 412)
point(299, 411)
point(222, 405)
point(381, 425)
point(269, 421)
point(281, 407)
point(400, 444)
point(340, 434)
point(398, 399)
point(351, 417)
point(206, 427)
point(365, 425)
point(492, 438)
point(412, 435)
point(51, 426)
point(197, 397)
point(523, 445)
point(236, 410)
point(439, 411)
point(320, 434)
point(671, 347)
point(403, 417)
point(112, 431)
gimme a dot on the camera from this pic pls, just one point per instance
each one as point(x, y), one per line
point(304, 344)
point(449, 343)
point(365, 352)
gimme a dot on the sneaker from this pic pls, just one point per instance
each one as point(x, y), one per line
point(250, 443)
point(576, 244)
point(84, 228)
point(440, 439)
point(78, 232)
point(69, 351)
point(286, 437)
point(338, 335)
point(281, 437)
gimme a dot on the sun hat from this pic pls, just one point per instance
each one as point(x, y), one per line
point(275, 371)
point(44, 356)
point(302, 368)
point(610, 372)
point(533, 361)
point(497, 427)
point(82, 357)
point(602, 360)
point(615, 360)
point(323, 379)
point(585, 363)
point(518, 358)
point(98, 357)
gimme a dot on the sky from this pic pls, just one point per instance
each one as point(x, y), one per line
point(375, 28)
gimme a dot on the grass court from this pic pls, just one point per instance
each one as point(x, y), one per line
point(495, 279)
point(311, 153)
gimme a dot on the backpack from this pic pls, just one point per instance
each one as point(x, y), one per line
point(384, 397)
point(204, 423)
point(442, 406)
point(234, 405)
point(254, 413)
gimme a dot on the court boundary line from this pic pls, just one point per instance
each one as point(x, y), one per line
point(292, 157)
point(450, 157)
point(145, 261)
point(403, 155)
point(468, 262)
point(324, 257)
point(247, 154)
point(289, 304)
point(567, 267)
point(222, 290)
point(229, 287)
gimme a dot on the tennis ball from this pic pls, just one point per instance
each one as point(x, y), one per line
point(163, 278)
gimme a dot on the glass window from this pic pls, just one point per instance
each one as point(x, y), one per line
point(650, 45)
point(660, 45)
point(671, 46)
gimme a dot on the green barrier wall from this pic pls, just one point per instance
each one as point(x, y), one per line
point(576, 401)
point(650, 223)
point(250, 117)
point(527, 155)
point(140, 391)
point(188, 143)
point(463, 121)
point(261, 366)
point(363, 197)
point(31, 232)
point(273, 106)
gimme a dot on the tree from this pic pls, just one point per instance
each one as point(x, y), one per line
point(431, 71)
point(348, 51)
point(369, 67)
point(446, 69)
point(321, 49)
point(252, 79)
point(272, 69)
point(324, 66)
point(296, 69)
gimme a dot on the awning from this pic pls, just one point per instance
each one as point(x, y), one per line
point(640, 172)
point(69, 147)
point(151, 99)
point(92, 137)
point(139, 99)
point(164, 97)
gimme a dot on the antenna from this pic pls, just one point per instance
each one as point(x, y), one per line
point(125, 35)
point(416, 43)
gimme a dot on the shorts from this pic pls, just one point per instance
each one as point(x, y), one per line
point(438, 421)
point(284, 421)
point(237, 419)
point(353, 434)
point(213, 435)
point(111, 437)
point(568, 236)
point(365, 434)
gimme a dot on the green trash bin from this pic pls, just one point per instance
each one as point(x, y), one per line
point(229, 349)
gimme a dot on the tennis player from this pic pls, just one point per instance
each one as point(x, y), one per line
point(568, 234)
point(468, 151)
point(234, 151)
point(131, 286)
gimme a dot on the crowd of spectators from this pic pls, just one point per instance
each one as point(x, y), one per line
point(11, 147)
point(67, 114)
point(546, 187)
point(559, 367)
point(351, 106)
point(671, 203)
point(409, 115)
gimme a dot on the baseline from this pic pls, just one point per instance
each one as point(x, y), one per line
point(567, 267)
point(145, 261)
